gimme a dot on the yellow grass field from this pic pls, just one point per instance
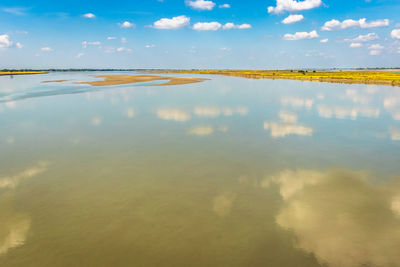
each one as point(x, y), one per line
point(356, 77)
point(21, 72)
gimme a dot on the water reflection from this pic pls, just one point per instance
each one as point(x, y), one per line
point(173, 114)
point(14, 226)
point(340, 216)
point(13, 181)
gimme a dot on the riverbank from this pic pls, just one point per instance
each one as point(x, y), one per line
point(350, 77)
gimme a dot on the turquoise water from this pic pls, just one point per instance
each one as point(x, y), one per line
point(227, 172)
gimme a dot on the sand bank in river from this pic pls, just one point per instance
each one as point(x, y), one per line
point(128, 79)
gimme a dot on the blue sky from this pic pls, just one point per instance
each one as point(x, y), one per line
point(252, 34)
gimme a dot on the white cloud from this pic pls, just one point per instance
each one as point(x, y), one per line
point(19, 45)
point(47, 49)
point(111, 38)
point(356, 45)
point(80, 55)
point(173, 114)
point(229, 26)
point(376, 49)
point(288, 117)
point(150, 46)
point(297, 102)
point(201, 4)
point(5, 41)
point(324, 41)
point(293, 5)
point(89, 15)
point(352, 113)
point(19, 11)
point(301, 36)
point(293, 19)
point(350, 23)
point(127, 24)
point(278, 129)
point(85, 44)
point(225, 6)
point(364, 38)
point(207, 26)
point(395, 34)
point(172, 24)
point(124, 49)
point(96, 121)
point(201, 130)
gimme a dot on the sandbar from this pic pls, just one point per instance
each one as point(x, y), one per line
point(129, 79)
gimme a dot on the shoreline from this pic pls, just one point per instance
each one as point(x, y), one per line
point(346, 77)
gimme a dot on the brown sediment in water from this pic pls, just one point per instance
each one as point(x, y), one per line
point(128, 79)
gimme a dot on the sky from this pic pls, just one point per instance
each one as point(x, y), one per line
point(199, 34)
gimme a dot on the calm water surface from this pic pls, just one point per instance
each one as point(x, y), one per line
point(228, 172)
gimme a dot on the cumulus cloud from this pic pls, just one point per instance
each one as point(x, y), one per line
point(222, 204)
point(339, 112)
point(19, 45)
point(173, 114)
point(13, 181)
point(130, 113)
point(15, 228)
point(395, 34)
point(293, 5)
point(356, 45)
point(96, 121)
point(279, 129)
point(5, 41)
point(225, 6)
point(201, 4)
point(150, 46)
point(207, 26)
point(395, 136)
point(364, 38)
point(301, 36)
point(375, 49)
point(324, 210)
point(201, 130)
point(85, 44)
point(297, 102)
point(80, 55)
point(124, 49)
point(293, 19)
point(172, 24)
point(89, 15)
point(216, 111)
point(111, 38)
point(288, 117)
point(350, 23)
point(127, 24)
point(324, 40)
point(47, 49)
point(229, 26)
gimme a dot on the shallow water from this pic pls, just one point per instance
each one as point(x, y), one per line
point(227, 172)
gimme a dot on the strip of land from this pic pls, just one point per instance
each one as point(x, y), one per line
point(2, 73)
point(129, 79)
point(351, 77)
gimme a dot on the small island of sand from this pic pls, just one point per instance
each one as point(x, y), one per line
point(128, 79)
